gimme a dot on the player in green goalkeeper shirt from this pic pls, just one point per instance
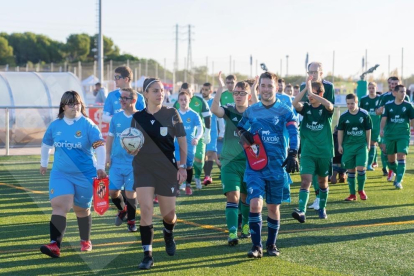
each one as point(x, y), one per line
point(354, 136)
point(370, 103)
point(317, 145)
point(200, 106)
point(395, 128)
point(227, 96)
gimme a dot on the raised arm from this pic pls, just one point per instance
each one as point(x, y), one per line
point(327, 104)
point(297, 104)
point(215, 106)
point(253, 90)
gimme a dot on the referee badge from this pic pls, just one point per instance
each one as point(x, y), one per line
point(163, 131)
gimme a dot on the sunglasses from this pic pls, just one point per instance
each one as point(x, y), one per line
point(118, 77)
point(71, 105)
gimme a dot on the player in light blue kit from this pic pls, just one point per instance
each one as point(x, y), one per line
point(123, 78)
point(217, 124)
point(74, 137)
point(194, 131)
point(268, 118)
point(120, 162)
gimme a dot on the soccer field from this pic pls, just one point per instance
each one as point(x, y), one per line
point(373, 237)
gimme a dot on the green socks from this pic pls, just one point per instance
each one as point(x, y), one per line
point(315, 185)
point(351, 183)
point(362, 177)
point(232, 214)
point(245, 210)
point(371, 155)
point(400, 170)
point(303, 199)
point(198, 167)
point(384, 160)
point(323, 195)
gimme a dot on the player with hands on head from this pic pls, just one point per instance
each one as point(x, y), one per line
point(155, 167)
point(266, 120)
point(233, 159)
point(74, 137)
point(317, 145)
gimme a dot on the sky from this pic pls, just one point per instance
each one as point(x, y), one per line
point(229, 29)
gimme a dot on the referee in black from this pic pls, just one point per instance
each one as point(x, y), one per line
point(155, 168)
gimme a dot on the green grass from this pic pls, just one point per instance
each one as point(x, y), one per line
point(374, 237)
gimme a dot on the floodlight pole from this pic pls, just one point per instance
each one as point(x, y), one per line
point(100, 45)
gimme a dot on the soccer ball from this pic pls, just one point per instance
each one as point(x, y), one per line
point(131, 139)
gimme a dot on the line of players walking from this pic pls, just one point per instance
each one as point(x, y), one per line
point(192, 138)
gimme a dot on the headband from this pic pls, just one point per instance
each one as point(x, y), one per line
point(150, 84)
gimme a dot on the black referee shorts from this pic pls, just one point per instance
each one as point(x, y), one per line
point(158, 171)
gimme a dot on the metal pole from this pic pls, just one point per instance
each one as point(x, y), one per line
point(146, 67)
point(7, 132)
point(234, 66)
point(230, 66)
point(139, 70)
point(176, 48)
point(156, 69)
point(287, 65)
point(281, 68)
point(366, 60)
point(206, 69)
point(136, 77)
point(389, 62)
point(212, 70)
point(51, 67)
point(257, 66)
point(402, 65)
point(165, 70)
point(100, 46)
point(127, 62)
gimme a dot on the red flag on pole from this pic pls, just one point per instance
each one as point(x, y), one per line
point(101, 195)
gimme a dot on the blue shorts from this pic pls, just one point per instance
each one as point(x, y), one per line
point(274, 189)
point(191, 150)
point(219, 145)
point(121, 178)
point(77, 184)
point(213, 144)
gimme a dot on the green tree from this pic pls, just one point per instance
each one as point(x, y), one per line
point(78, 47)
point(6, 52)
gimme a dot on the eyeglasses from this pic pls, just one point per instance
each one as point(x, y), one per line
point(229, 82)
point(118, 77)
point(241, 93)
point(124, 98)
point(72, 104)
point(313, 72)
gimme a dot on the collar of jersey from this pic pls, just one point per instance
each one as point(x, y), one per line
point(70, 121)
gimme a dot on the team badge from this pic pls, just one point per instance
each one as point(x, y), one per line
point(256, 154)
point(52, 191)
point(404, 109)
point(196, 103)
point(163, 131)
point(188, 120)
point(78, 134)
point(361, 120)
point(275, 120)
point(100, 195)
point(320, 112)
point(58, 133)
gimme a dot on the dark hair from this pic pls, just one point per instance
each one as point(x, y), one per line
point(397, 88)
point(243, 85)
point(207, 84)
point(147, 82)
point(296, 86)
point(71, 97)
point(281, 80)
point(318, 86)
point(351, 96)
point(98, 84)
point(184, 86)
point(231, 77)
point(125, 72)
point(132, 93)
point(393, 78)
point(288, 85)
point(316, 62)
point(268, 75)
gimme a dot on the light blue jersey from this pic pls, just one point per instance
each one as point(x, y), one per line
point(73, 145)
point(191, 120)
point(113, 106)
point(212, 146)
point(119, 156)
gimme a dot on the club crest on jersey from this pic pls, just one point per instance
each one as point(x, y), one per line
point(309, 112)
point(376, 103)
point(275, 120)
point(188, 120)
point(361, 120)
point(347, 122)
point(404, 109)
point(152, 122)
point(118, 125)
point(235, 119)
point(163, 131)
point(320, 112)
point(58, 133)
point(78, 134)
point(196, 103)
